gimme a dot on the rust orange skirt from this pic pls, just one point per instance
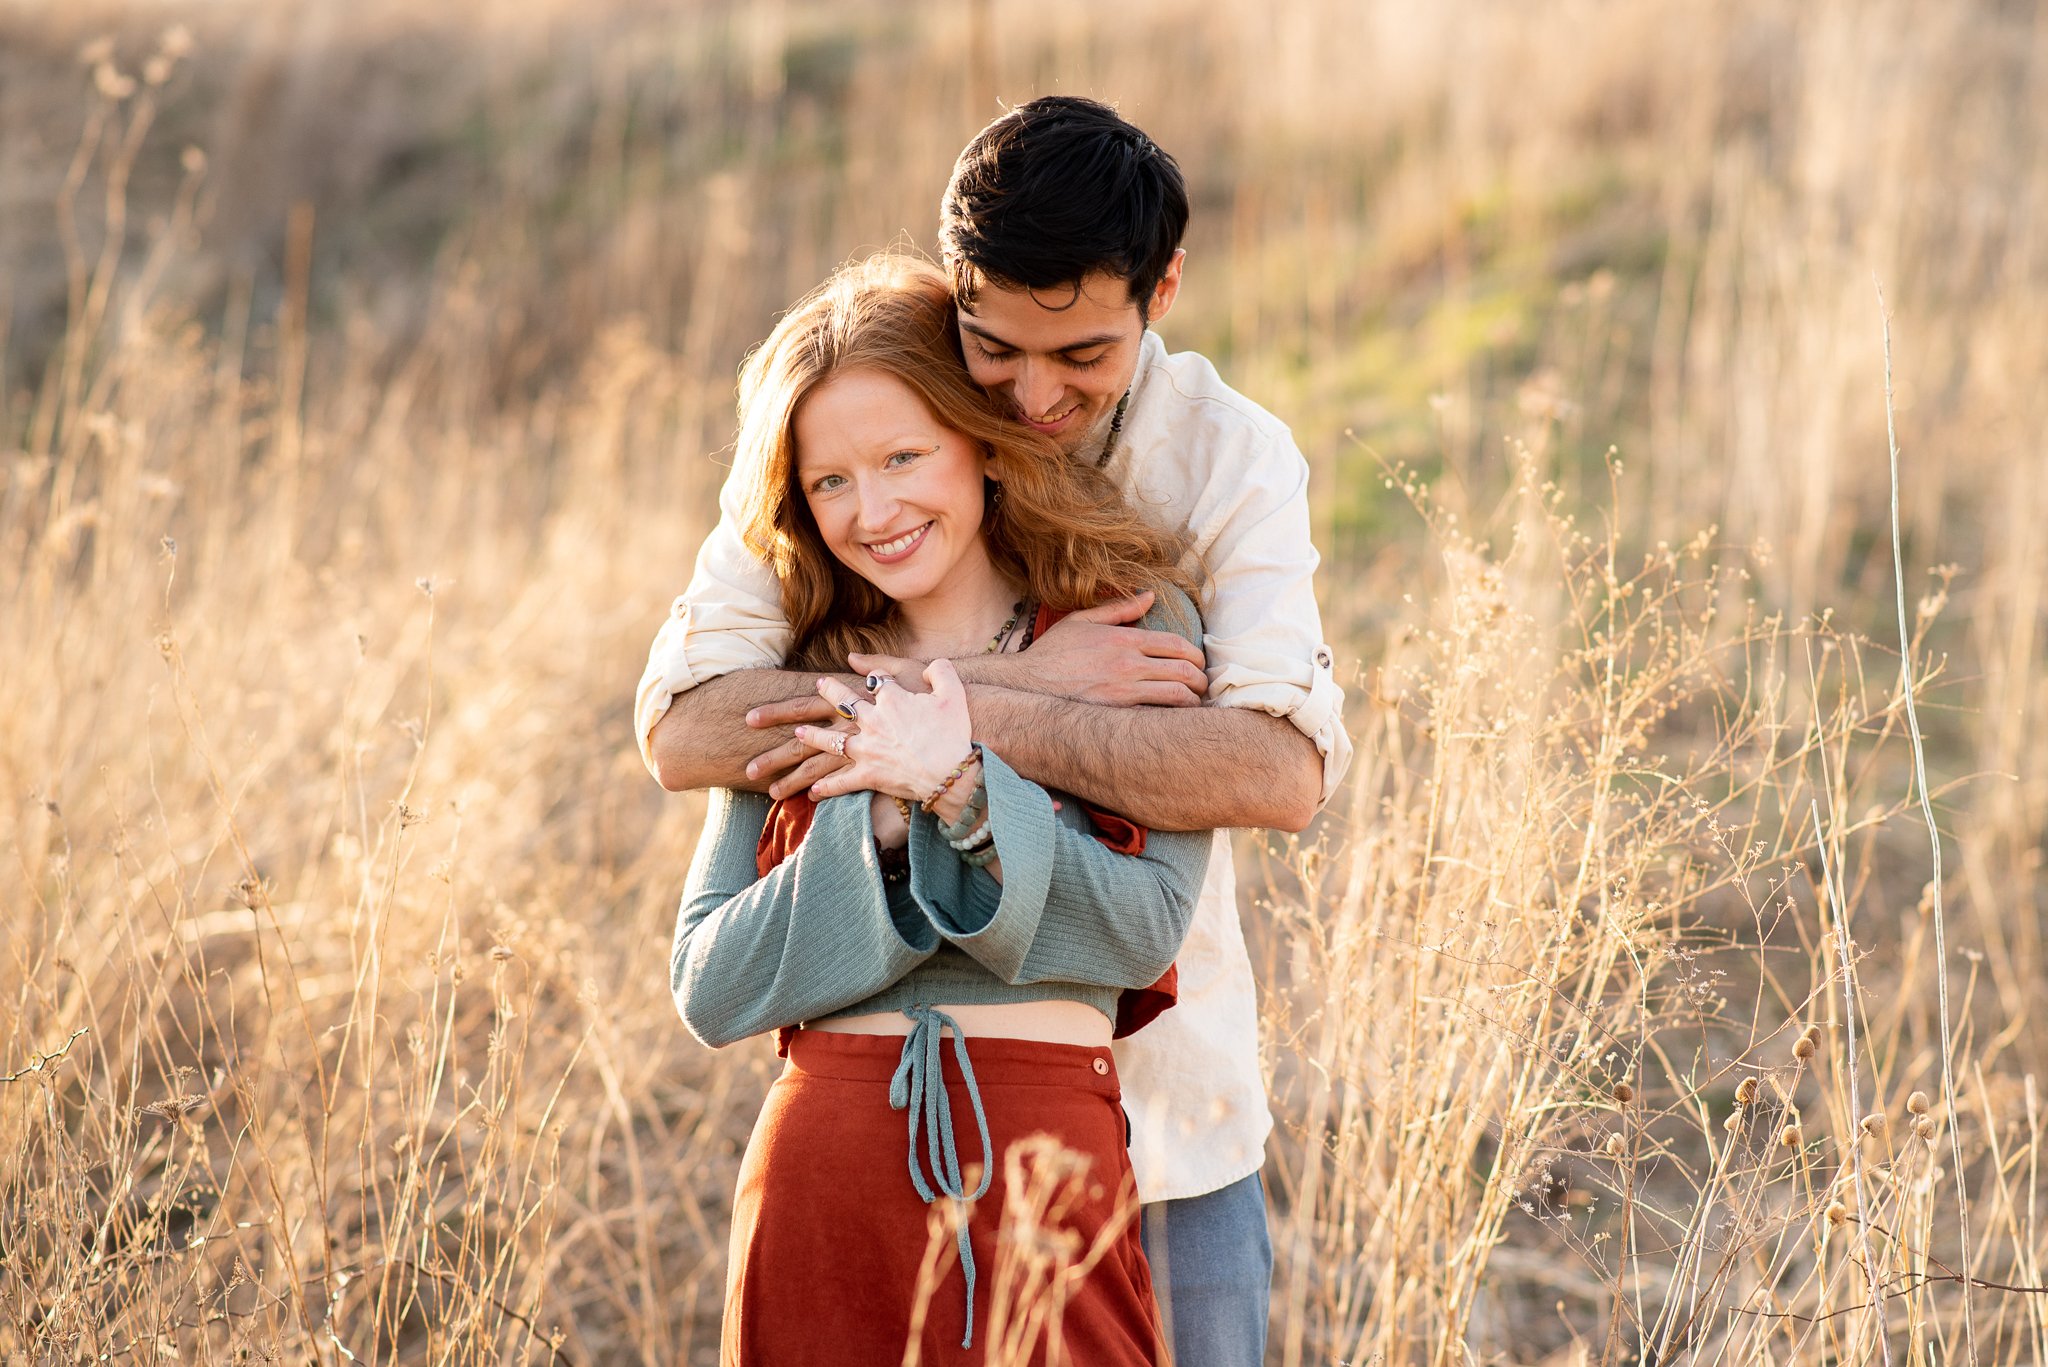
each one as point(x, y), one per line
point(829, 1234)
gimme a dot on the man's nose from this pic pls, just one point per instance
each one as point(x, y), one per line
point(1038, 389)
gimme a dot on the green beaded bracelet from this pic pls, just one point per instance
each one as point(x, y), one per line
point(970, 815)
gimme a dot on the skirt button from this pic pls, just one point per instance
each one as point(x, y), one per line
point(1102, 1067)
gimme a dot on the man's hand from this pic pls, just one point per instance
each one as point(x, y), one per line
point(1092, 656)
point(792, 766)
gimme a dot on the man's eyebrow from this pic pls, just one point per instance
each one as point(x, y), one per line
point(1083, 344)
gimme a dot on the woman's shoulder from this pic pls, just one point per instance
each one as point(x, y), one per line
point(1172, 610)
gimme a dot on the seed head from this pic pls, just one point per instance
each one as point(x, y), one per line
point(1803, 1047)
point(1616, 1145)
point(1837, 1212)
point(1624, 1093)
point(1923, 1128)
point(1745, 1091)
point(1917, 1103)
point(1791, 1136)
point(1733, 1122)
point(1874, 1124)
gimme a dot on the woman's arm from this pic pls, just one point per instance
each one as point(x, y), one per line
point(1068, 909)
point(815, 935)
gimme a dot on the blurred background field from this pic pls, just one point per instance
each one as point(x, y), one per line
point(364, 373)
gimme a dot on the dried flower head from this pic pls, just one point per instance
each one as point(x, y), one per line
point(1837, 1212)
point(1924, 1127)
point(1624, 1093)
point(1874, 1124)
point(1745, 1091)
point(1803, 1047)
point(1616, 1146)
point(107, 78)
point(1917, 1103)
point(1791, 1136)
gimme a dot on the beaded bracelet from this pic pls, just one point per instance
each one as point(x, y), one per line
point(981, 858)
point(973, 757)
point(974, 840)
point(972, 813)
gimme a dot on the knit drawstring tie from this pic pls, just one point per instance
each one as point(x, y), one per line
point(919, 1087)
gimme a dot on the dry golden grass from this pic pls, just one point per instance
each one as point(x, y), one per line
point(352, 455)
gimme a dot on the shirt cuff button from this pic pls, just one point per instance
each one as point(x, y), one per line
point(1102, 1067)
point(1323, 656)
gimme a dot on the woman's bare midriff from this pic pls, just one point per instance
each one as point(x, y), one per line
point(1049, 1022)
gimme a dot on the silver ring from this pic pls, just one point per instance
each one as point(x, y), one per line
point(840, 746)
point(846, 709)
point(877, 679)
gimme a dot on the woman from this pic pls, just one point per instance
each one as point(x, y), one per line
point(903, 516)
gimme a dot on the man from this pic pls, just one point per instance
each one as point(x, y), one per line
point(1062, 228)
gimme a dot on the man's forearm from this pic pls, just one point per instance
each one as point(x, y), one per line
point(1170, 768)
point(703, 740)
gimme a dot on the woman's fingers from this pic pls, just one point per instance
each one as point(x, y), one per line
point(807, 774)
point(945, 682)
point(906, 672)
point(845, 701)
point(847, 778)
point(830, 740)
point(771, 763)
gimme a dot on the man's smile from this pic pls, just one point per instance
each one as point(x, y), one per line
point(1053, 423)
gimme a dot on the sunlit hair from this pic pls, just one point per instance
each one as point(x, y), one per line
point(1062, 530)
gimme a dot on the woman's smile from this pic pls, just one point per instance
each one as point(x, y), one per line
point(898, 549)
point(896, 495)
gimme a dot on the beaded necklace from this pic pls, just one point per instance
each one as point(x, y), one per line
point(1002, 636)
point(1116, 425)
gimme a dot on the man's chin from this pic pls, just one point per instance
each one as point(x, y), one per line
point(1082, 432)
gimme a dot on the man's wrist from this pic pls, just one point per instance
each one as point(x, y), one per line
point(988, 670)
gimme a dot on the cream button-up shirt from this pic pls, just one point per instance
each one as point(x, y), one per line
point(1195, 453)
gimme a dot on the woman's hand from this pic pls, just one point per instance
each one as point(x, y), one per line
point(892, 832)
point(906, 744)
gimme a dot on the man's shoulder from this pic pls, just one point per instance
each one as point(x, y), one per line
point(1184, 403)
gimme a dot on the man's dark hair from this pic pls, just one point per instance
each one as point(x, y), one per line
point(1056, 190)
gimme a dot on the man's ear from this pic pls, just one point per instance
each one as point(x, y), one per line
point(1168, 288)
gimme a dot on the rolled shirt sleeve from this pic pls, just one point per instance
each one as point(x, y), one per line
point(729, 618)
point(1262, 630)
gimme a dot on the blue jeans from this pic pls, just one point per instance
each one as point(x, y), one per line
point(1212, 1268)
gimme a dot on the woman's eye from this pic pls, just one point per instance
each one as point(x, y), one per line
point(902, 458)
point(825, 484)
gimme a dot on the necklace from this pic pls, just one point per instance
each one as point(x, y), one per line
point(1116, 425)
point(1002, 637)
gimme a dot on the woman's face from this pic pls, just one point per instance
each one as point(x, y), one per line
point(897, 495)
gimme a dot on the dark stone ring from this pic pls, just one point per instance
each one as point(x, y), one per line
point(877, 679)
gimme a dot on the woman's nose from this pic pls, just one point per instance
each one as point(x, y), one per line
point(877, 506)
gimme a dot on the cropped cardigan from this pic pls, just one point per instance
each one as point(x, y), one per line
point(823, 935)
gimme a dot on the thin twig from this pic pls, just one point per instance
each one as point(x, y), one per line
point(37, 1062)
point(1948, 1042)
point(1831, 880)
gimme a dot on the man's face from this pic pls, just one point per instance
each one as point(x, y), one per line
point(1059, 359)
